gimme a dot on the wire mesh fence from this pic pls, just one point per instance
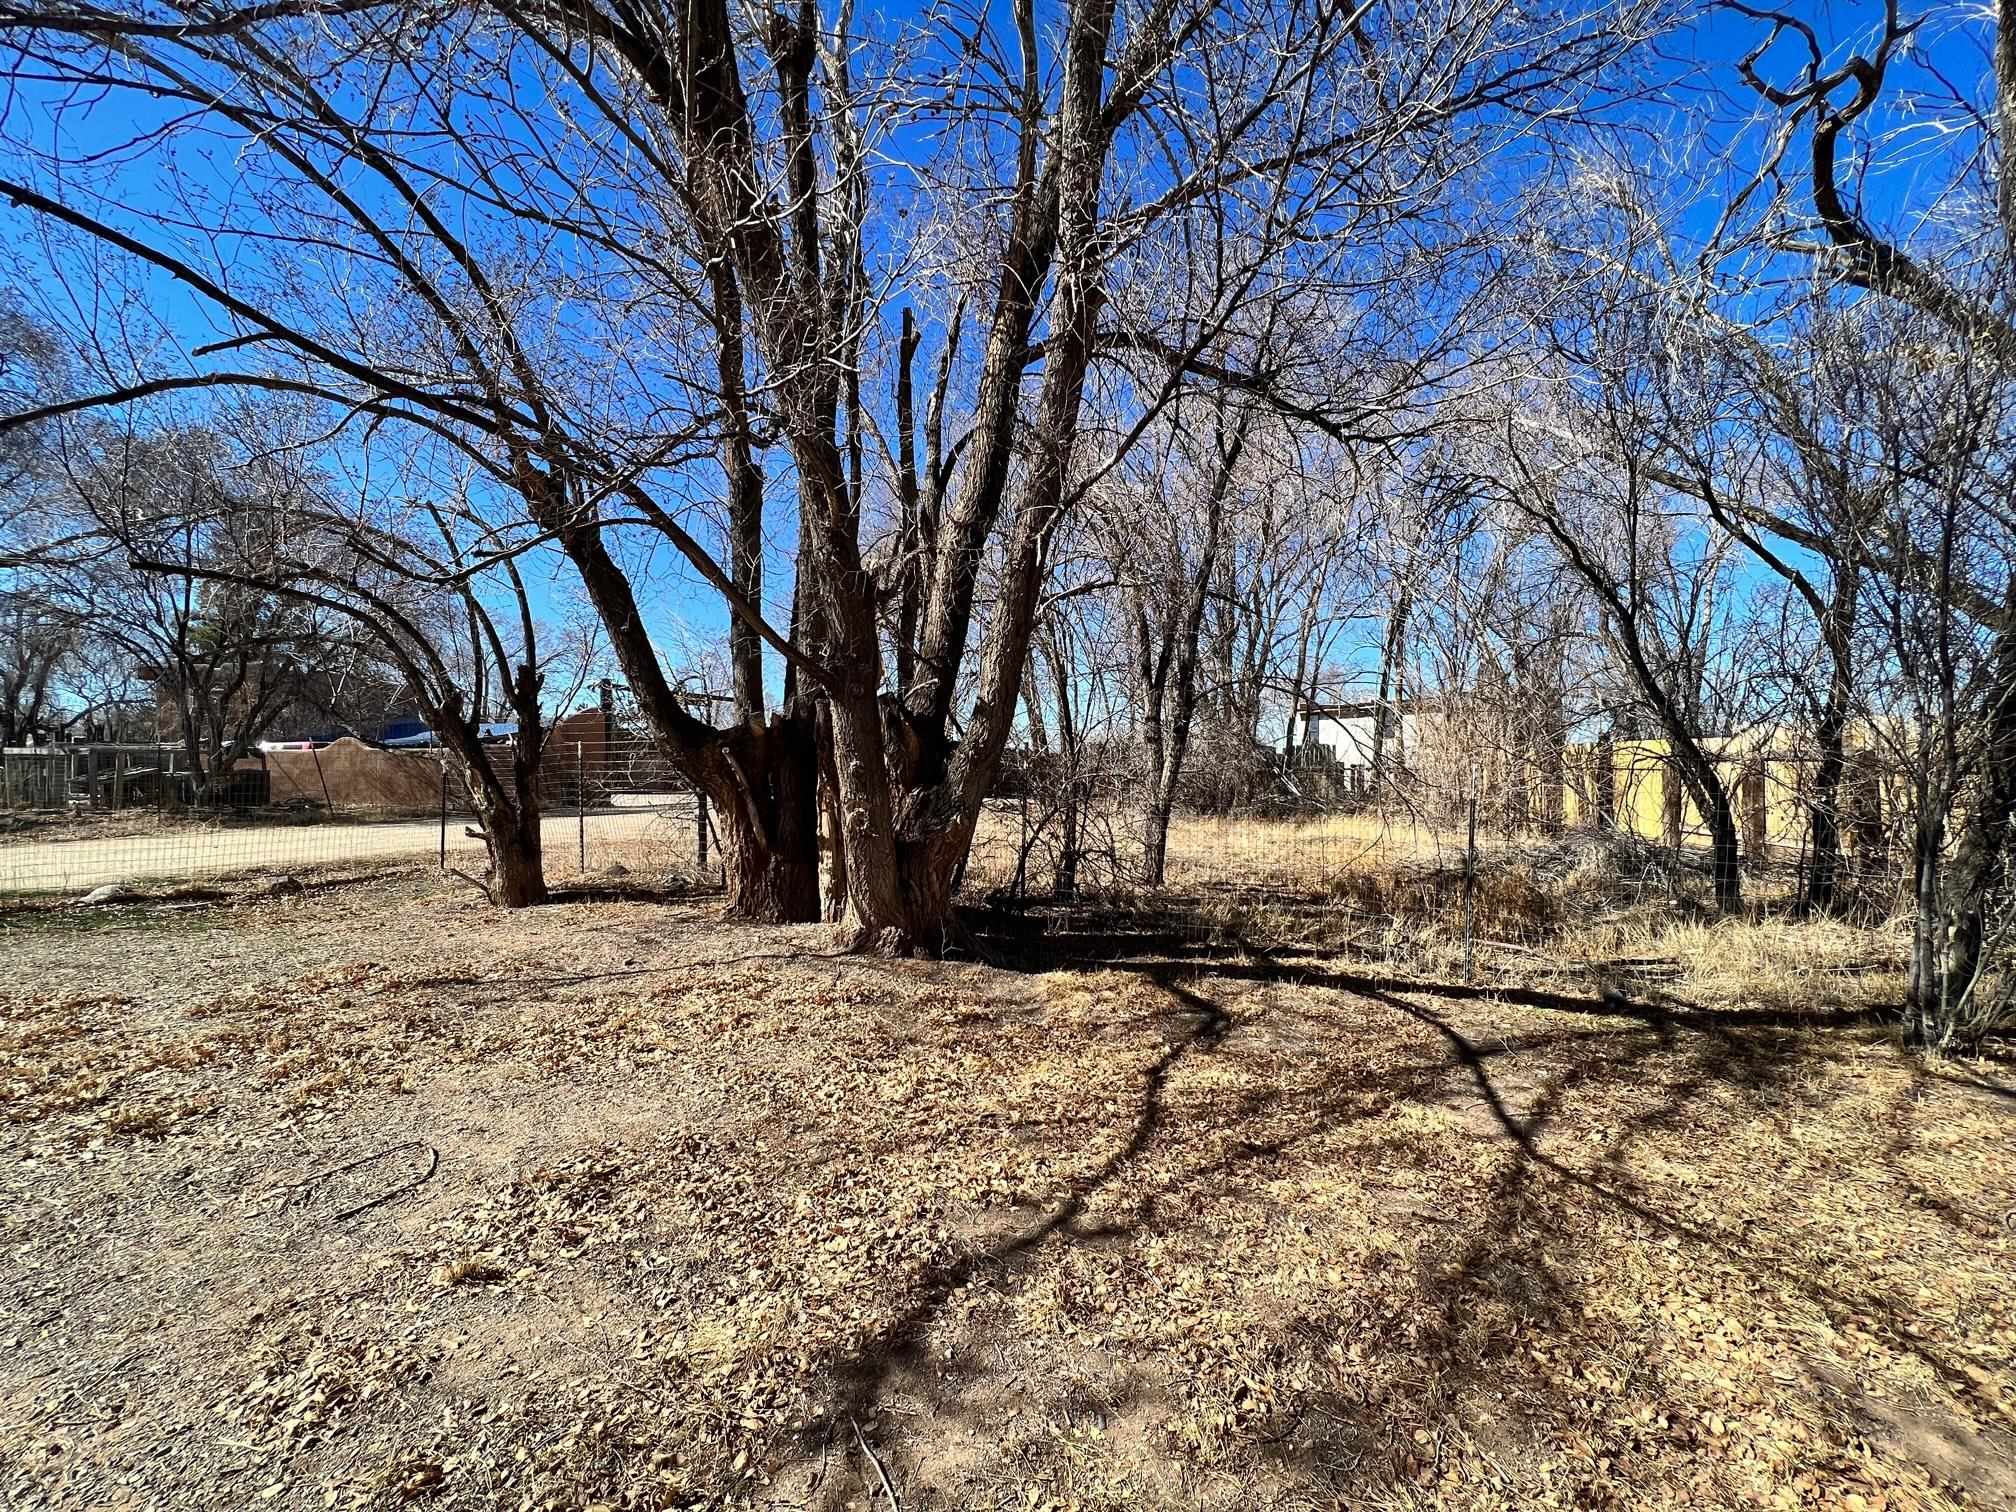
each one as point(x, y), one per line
point(74, 819)
point(1420, 865)
point(1321, 848)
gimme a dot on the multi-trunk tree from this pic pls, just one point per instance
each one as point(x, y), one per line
point(632, 259)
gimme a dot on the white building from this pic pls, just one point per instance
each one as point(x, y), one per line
point(1346, 731)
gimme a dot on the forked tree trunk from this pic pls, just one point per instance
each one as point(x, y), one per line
point(761, 776)
point(510, 823)
point(898, 880)
point(763, 781)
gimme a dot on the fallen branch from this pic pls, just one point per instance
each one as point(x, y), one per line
point(299, 1188)
point(482, 887)
point(880, 1474)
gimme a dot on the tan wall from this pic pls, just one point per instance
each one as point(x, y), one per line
point(348, 774)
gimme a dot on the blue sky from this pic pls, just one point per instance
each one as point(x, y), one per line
point(1694, 95)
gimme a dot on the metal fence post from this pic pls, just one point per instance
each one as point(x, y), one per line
point(1022, 850)
point(581, 805)
point(700, 827)
point(1470, 895)
point(444, 816)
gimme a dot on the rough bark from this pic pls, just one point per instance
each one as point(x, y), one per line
point(517, 860)
point(1980, 865)
point(769, 825)
point(910, 545)
point(907, 811)
point(744, 476)
point(760, 776)
point(506, 806)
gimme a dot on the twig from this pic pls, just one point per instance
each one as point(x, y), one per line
point(880, 1474)
point(297, 1188)
point(433, 1165)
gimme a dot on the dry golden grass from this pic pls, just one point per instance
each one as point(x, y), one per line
point(1579, 908)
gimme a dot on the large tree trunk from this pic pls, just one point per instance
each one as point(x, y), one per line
point(1980, 864)
point(760, 776)
point(909, 801)
point(763, 780)
point(907, 806)
point(517, 858)
point(766, 883)
point(507, 810)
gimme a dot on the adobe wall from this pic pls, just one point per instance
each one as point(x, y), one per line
point(348, 774)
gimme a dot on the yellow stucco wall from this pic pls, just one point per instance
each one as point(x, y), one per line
point(1768, 789)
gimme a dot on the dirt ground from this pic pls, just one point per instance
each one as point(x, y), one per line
point(365, 1195)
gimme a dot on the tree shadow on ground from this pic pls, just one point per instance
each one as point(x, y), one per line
point(1482, 1310)
point(631, 892)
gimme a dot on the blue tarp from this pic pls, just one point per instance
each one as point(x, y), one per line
point(426, 737)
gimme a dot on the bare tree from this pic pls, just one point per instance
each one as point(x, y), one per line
point(1630, 541)
point(1945, 542)
point(724, 174)
point(428, 583)
point(170, 515)
point(1170, 589)
point(34, 645)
